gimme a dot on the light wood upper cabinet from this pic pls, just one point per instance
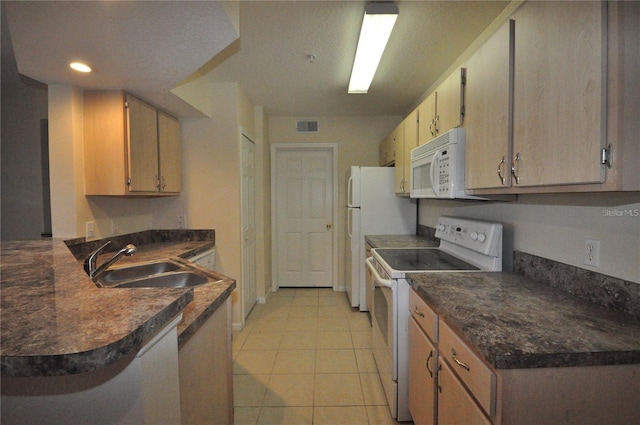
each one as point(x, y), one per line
point(487, 117)
point(398, 142)
point(450, 106)
point(131, 148)
point(387, 151)
point(169, 151)
point(427, 114)
point(406, 138)
point(443, 109)
point(142, 144)
point(559, 93)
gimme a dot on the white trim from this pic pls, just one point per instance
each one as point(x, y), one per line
point(240, 288)
point(275, 148)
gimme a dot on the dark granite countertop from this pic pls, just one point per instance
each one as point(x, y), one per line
point(515, 322)
point(400, 241)
point(56, 321)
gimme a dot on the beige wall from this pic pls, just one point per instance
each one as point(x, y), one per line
point(357, 138)
point(555, 226)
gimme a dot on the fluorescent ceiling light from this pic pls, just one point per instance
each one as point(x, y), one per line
point(378, 22)
point(80, 67)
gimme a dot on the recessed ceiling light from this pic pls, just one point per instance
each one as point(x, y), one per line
point(80, 67)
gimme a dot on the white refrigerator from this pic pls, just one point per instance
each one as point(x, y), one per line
point(372, 209)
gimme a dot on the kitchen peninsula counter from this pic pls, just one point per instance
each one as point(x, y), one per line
point(515, 322)
point(56, 321)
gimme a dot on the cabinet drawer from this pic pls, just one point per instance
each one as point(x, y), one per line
point(473, 372)
point(422, 313)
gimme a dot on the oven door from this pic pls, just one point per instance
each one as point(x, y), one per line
point(382, 316)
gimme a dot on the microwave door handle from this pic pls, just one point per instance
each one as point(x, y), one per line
point(376, 275)
point(434, 171)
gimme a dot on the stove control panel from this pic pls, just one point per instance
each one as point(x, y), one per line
point(480, 236)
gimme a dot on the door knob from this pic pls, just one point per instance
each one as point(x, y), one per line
point(328, 226)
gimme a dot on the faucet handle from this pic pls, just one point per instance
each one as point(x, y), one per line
point(90, 261)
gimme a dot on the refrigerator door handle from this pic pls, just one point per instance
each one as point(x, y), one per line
point(350, 222)
point(350, 191)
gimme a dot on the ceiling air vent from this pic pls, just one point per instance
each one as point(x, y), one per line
point(307, 126)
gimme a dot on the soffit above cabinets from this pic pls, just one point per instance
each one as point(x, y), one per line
point(149, 47)
point(144, 47)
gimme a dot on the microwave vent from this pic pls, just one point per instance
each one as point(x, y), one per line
point(307, 126)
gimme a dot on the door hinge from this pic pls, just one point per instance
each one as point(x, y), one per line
point(606, 156)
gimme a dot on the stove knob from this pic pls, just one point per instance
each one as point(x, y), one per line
point(482, 237)
point(474, 236)
point(440, 227)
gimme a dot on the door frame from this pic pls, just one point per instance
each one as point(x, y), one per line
point(245, 134)
point(276, 148)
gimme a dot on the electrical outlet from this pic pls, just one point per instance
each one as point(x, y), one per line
point(592, 252)
point(114, 226)
point(182, 222)
point(90, 229)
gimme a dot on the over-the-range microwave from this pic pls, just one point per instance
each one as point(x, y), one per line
point(437, 167)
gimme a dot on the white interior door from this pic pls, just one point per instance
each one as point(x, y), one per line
point(304, 217)
point(248, 226)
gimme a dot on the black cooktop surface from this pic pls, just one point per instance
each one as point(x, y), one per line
point(415, 259)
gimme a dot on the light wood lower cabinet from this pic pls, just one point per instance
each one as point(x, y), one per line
point(469, 391)
point(205, 363)
point(455, 404)
point(423, 360)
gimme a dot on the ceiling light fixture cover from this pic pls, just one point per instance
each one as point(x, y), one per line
point(80, 67)
point(378, 22)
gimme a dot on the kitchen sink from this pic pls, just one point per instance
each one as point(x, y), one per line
point(137, 271)
point(181, 279)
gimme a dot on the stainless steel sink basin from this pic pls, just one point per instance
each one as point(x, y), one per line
point(183, 279)
point(137, 271)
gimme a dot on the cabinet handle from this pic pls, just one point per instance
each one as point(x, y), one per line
point(157, 183)
point(515, 168)
point(438, 378)
point(501, 170)
point(164, 183)
point(458, 362)
point(418, 312)
point(437, 121)
point(432, 127)
point(427, 363)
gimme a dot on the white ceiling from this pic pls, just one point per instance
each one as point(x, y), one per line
point(149, 47)
point(277, 36)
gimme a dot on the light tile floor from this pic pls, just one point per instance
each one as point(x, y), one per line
point(306, 357)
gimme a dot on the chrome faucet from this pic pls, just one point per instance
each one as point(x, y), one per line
point(91, 260)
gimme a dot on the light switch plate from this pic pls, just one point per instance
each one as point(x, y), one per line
point(90, 229)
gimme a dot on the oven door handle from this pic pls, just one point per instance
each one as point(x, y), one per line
point(384, 282)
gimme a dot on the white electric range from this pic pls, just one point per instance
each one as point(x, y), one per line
point(465, 246)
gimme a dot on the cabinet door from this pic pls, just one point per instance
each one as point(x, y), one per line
point(398, 142)
point(450, 102)
point(169, 152)
point(422, 367)
point(142, 145)
point(559, 93)
point(487, 113)
point(455, 405)
point(427, 112)
point(410, 142)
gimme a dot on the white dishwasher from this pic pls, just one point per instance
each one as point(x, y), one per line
point(206, 259)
